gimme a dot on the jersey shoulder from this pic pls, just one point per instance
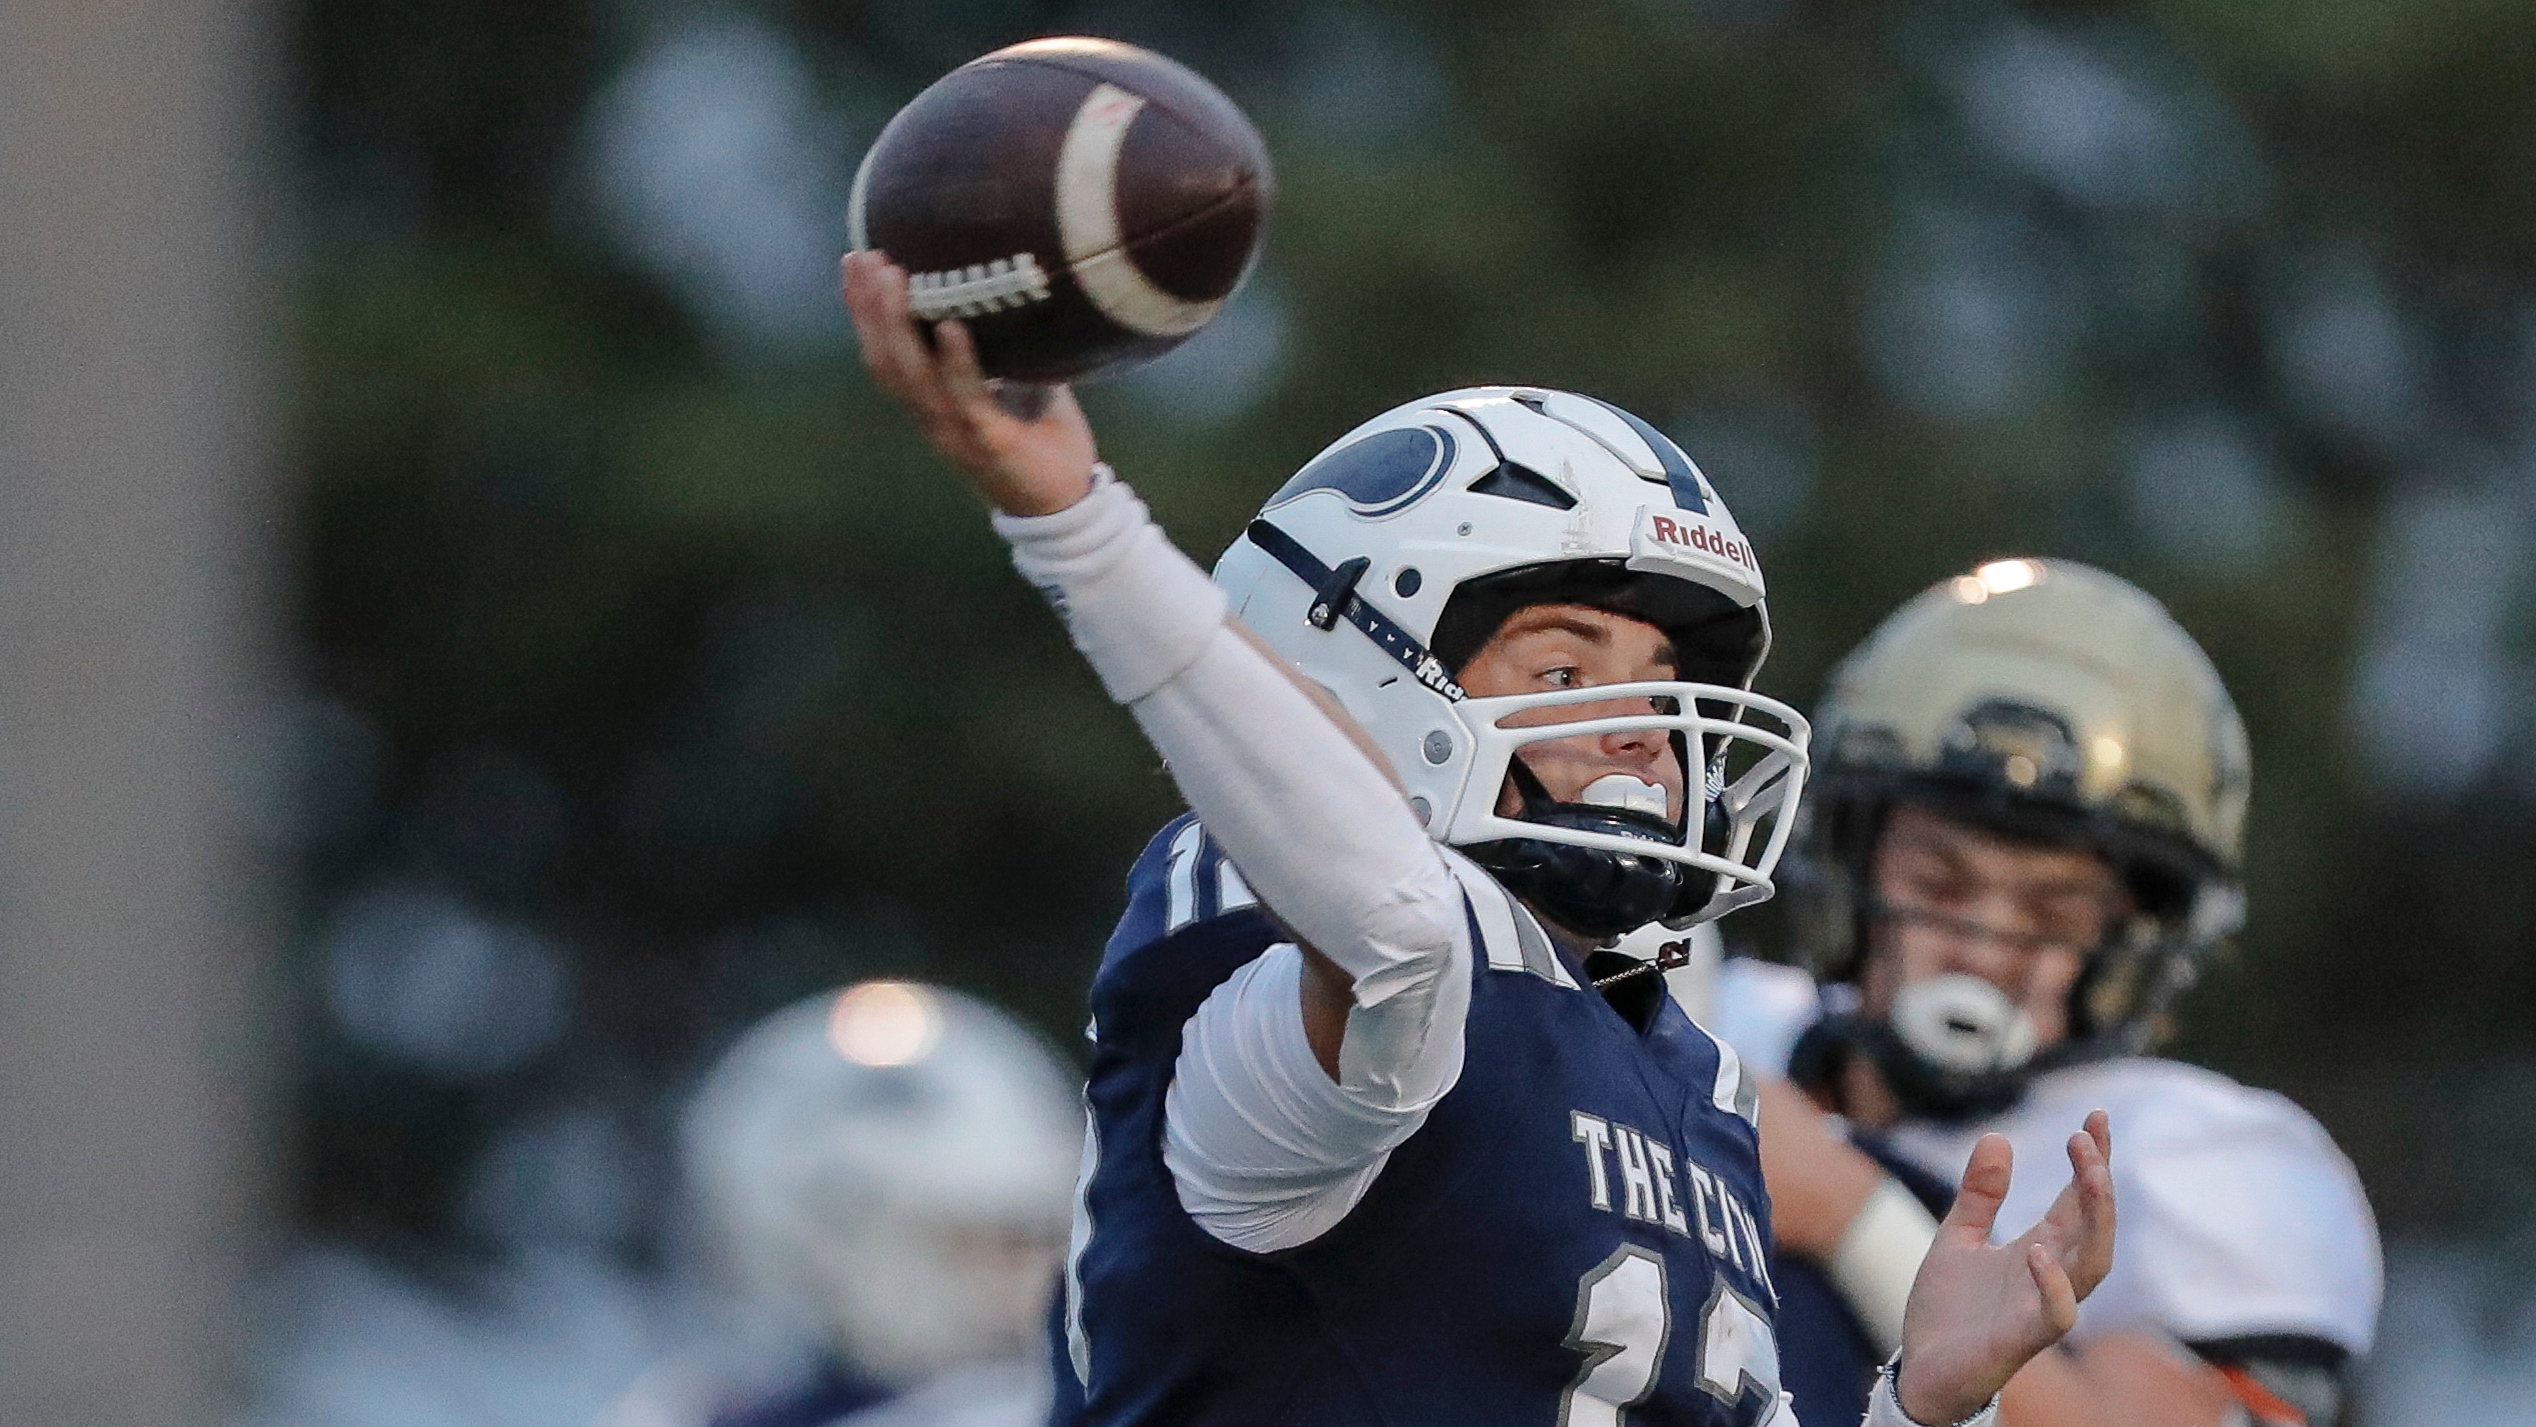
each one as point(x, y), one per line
point(2240, 1216)
point(1190, 922)
point(1180, 880)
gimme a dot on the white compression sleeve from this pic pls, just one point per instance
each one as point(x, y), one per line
point(1318, 831)
point(1266, 1152)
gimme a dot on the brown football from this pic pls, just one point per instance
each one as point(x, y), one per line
point(1081, 204)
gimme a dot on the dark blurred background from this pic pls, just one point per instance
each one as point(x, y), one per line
point(641, 673)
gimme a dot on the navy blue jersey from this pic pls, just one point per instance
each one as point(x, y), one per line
point(1576, 1234)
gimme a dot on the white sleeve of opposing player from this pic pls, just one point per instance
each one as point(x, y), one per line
point(1760, 1008)
point(2242, 1220)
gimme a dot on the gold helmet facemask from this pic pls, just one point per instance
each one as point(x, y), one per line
point(2049, 701)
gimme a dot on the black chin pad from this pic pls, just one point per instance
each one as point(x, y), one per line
point(1929, 1090)
point(1588, 890)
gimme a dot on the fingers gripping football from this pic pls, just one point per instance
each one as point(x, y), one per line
point(1024, 461)
point(1979, 1311)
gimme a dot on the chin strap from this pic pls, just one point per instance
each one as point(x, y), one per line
point(1334, 598)
point(1595, 893)
point(1670, 956)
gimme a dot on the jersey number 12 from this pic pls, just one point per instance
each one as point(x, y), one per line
point(1623, 1319)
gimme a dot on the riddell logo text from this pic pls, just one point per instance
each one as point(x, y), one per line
point(1697, 537)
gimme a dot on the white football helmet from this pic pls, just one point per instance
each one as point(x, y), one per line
point(1391, 557)
point(891, 1168)
point(2051, 701)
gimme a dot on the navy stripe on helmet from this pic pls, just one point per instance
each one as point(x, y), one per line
point(1678, 470)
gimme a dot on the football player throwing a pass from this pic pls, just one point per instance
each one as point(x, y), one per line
point(1379, 1133)
point(2022, 840)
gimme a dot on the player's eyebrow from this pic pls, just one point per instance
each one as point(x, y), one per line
point(1598, 635)
point(1584, 629)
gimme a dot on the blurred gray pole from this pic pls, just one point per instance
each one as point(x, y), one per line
point(134, 556)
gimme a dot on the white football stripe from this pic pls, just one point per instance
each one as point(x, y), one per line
point(1087, 222)
point(856, 239)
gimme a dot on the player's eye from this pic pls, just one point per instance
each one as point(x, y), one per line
point(1565, 676)
point(1934, 884)
point(2078, 921)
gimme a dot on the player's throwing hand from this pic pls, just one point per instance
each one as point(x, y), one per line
point(1034, 466)
point(1978, 1310)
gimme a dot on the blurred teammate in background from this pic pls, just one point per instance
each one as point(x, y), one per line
point(2022, 842)
point(887, 1170)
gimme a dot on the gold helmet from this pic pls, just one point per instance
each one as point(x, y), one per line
point(2050, 699)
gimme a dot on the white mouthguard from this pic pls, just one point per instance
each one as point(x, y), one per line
point(1964, 1024)
point(1619, 790)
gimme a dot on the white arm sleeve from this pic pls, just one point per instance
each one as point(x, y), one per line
point(1266, 1151)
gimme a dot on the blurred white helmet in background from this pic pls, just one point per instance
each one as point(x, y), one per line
point(891, 1167)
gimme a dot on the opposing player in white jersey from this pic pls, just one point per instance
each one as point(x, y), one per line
point(883, 1173)
point(2023, 840)
point(1379, 1134)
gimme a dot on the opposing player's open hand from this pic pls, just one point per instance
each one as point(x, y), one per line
point(1979, 1311)
point(1027, 449)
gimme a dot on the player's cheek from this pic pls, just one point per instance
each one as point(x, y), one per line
point(2047, 986)
point(1917, 950)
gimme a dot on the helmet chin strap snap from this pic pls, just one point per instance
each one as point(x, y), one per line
point(1669, 956)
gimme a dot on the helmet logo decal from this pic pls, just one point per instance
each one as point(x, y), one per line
point(1382, 474)
point(1701, 536)
point(2026, 747)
